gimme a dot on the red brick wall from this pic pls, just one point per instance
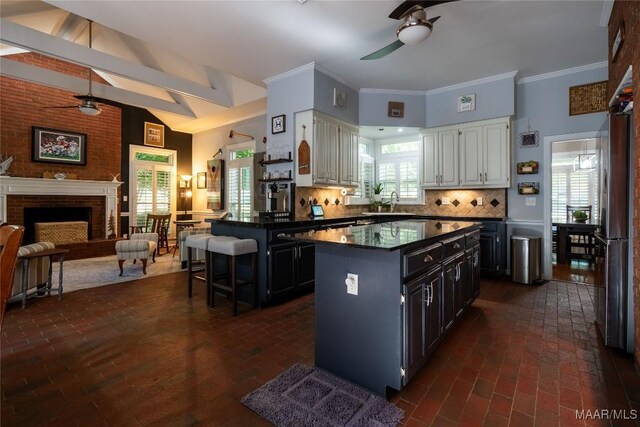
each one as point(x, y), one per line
point(16, 204)
point(22, 107)
point(629, 54)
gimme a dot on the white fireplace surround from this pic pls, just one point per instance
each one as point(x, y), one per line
point(10, 186)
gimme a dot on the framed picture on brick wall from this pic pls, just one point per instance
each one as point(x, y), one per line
point(153, 135)
point(58, 146)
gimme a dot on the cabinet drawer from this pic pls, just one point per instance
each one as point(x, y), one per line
point(420, 259)
point(472, 238)
point(489, 227)
point(453, 246)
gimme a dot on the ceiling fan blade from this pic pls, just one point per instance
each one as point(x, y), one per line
point(381, 53)
point(64, 106)
point(96, 99)
point(404, 7)
point(434, 19)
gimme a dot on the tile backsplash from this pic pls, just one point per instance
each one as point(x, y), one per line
point(462, 203)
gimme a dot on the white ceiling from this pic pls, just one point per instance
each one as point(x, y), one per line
point(236, 45)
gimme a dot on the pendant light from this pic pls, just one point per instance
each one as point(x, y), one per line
point(585, 162)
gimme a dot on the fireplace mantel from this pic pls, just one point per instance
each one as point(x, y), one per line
point(58, 187)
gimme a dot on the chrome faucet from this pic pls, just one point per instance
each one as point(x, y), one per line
point(397, 199)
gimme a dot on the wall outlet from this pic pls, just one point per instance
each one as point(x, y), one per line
point(310, 200)
point(125, 198)
point(530, 201)
point(352, 283)
point(479, 200)
point(445, 201)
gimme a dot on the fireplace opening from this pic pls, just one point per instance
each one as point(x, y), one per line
point(54, 214)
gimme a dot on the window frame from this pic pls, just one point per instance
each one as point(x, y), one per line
point(397, 158)
point(239, 163)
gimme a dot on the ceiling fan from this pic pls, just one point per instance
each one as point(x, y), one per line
point(414, 29)
point(89, 104)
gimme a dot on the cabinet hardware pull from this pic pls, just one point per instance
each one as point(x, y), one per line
point(485, 176)
point(480, 176)
point(456, 246)
point(428, 296)
point(431, 295)
point(428, 258)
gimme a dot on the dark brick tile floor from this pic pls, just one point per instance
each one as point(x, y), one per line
point(141, 353)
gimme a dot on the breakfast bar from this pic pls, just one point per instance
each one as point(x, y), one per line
point(386, 294)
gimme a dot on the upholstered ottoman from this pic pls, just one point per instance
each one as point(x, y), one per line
point(140, 246)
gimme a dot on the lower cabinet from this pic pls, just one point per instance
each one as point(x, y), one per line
point(414, 326)
point(432, 308)
point(493, 252)
point(452, 290)
point(291, 268)
point(473, 273)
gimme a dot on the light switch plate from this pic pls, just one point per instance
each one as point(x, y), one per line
point(352, 283)
point(530, 201)
point(479, 200)
point(445, 201)
point(125, 198)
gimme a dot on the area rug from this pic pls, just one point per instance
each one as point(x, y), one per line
point(92, 272)
point(304, 396)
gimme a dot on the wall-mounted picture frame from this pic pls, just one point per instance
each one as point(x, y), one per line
point(395, 109)
point(466, 102)
point(182, 183)
point(588, 98)
point(339, 98)
point(529, 188)
point(153, 134)
point(617, 42)
point(215, 184)
point(58, 146)
point(201, 180)
point(529, 139)
point(278, 124)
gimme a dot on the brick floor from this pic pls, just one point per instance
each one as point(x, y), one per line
point(141, 353)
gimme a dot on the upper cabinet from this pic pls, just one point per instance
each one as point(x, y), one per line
point(471, 155)
point(333, 151)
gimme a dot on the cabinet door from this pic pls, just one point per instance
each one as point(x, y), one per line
point(282, 272)
point(344, 156)
point(430, 173)
point(414, 355)
point(471, 155)
point(354, 173)
point(332, 146)
point(432, 309)
point(448, 293)
point(319, 160)
point(496, 156)
point(448, 157)
point(306, 265)
point(474, 273)
point(488, 253)
point(460, 289)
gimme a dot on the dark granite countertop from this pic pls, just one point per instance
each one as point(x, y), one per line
point(388, 235)
point(273, 223)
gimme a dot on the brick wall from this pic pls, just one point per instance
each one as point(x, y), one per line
point(629, 54)
point(22, 107)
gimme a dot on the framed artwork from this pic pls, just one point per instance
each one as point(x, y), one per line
point(339, 98)
point(467, 102)
point(58, 146)
point(153, 134)
point(529, 139)
point(215, 184)
point(201, 180)
point(278, 124)
point(589, 98)
point(395, 109)
point(182, 183)
point(617, 42)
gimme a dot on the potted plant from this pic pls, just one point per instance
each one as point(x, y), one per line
point(377, 192)
point(580, 216)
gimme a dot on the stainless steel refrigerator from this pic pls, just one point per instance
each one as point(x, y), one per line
point(612, 239)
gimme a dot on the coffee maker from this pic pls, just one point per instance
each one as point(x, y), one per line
point(277, 201)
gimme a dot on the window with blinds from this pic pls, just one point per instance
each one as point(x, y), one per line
point(398, 170)
point(572, 188)
point(239, 179)
point(364, 191)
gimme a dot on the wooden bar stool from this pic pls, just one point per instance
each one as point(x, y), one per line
point(233, 248)
point(197, 242)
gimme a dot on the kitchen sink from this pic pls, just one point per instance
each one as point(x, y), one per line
point(389, 213)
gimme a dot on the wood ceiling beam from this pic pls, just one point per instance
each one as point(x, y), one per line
point(36, 41)
point(19, 70)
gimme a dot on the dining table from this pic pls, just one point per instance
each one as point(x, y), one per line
point(564, 230)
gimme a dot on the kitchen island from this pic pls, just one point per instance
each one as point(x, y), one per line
point(386, 294)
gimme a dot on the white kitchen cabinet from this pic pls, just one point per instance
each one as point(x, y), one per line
point(485, 154)
point(348, 156)
point(440, 158)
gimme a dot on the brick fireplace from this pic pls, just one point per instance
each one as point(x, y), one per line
point(98, 197)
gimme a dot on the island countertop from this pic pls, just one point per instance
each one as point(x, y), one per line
point(386, 236)
point(275, 223)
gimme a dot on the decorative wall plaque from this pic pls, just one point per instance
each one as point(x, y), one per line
point(396, 109)
point(589, 98)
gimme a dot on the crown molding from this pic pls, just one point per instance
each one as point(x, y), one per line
point(334, 76)
point(564, 72)
point(392, 91)
point(607, 7)
point(290, 73)
point(509, 75)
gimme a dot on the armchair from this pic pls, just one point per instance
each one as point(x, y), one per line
point(38, 270)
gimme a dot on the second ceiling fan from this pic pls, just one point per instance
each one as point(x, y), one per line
point(414, 29)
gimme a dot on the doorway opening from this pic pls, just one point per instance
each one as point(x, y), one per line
point(574, 207)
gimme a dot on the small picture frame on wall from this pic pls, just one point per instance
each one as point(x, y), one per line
point(617, 42)
point(201, 180)
point(153, 134)
point(339, 98)
point(395, 109)
point(58, 146)
point(529, 139)
point(467, 102)
point(278, 124)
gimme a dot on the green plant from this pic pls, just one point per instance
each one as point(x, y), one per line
point(580, 215)
point(377, 189)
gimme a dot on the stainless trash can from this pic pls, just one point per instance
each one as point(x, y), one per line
point(525, 259)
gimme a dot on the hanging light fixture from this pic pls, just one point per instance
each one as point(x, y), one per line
point(585, 162)
point(415, 28)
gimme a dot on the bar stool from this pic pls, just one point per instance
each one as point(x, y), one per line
point(233, 248)
point(198, 242)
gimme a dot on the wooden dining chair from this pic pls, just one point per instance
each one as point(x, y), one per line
point(583, 241)
point(159, 223)
point(10, 240)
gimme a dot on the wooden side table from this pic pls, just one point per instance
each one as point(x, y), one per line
point(56, 253)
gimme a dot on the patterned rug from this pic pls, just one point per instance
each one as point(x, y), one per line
point(304, 396)
point(92, 272)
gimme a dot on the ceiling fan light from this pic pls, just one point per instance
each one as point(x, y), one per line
point(414, 31)
point(89, 109)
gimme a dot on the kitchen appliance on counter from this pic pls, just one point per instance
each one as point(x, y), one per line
point(278, 201)
point(613, 313)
